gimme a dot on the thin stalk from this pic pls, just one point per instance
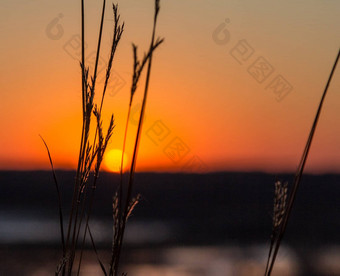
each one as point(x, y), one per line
point(83, 136)
point(141, 118)
point(102, 144)
point(98, 46)
point(87, 224)
point(133, 163)
point(95, 250)
point(117, 33)
point(59, 199)
point(93, 89)
point(137, 69)
point(300, 170)
point(120, 193)
point(118, 30)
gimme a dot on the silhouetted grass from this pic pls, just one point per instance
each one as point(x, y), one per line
point(91, 156)
point(284, 210)
point(91, 153)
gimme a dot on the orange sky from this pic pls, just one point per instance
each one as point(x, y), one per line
point(206, 93)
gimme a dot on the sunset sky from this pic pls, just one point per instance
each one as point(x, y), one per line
point(208, 93)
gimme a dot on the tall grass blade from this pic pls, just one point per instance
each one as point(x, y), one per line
point(124, 212)
point(95, 251)
point(59, 198)
point(76, 193)
point(118, 30)
point(91, 154)
point(298, 174)
point(94, 78)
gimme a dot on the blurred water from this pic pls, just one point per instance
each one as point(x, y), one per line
point(30, 246)
point(202, 225)
point(30, 230)
point(171, 261)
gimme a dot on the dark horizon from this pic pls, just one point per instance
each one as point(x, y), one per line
point(185, 172)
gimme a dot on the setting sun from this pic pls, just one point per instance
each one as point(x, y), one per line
point(112, 160)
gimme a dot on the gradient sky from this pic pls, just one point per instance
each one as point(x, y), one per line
point(207, 93)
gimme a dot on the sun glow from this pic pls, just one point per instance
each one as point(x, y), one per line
point(112, 160)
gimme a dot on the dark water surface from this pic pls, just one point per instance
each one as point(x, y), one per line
point(185, 224)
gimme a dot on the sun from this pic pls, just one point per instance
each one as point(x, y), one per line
point(112, 160)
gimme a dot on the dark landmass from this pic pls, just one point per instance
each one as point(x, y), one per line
point(214, 208)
